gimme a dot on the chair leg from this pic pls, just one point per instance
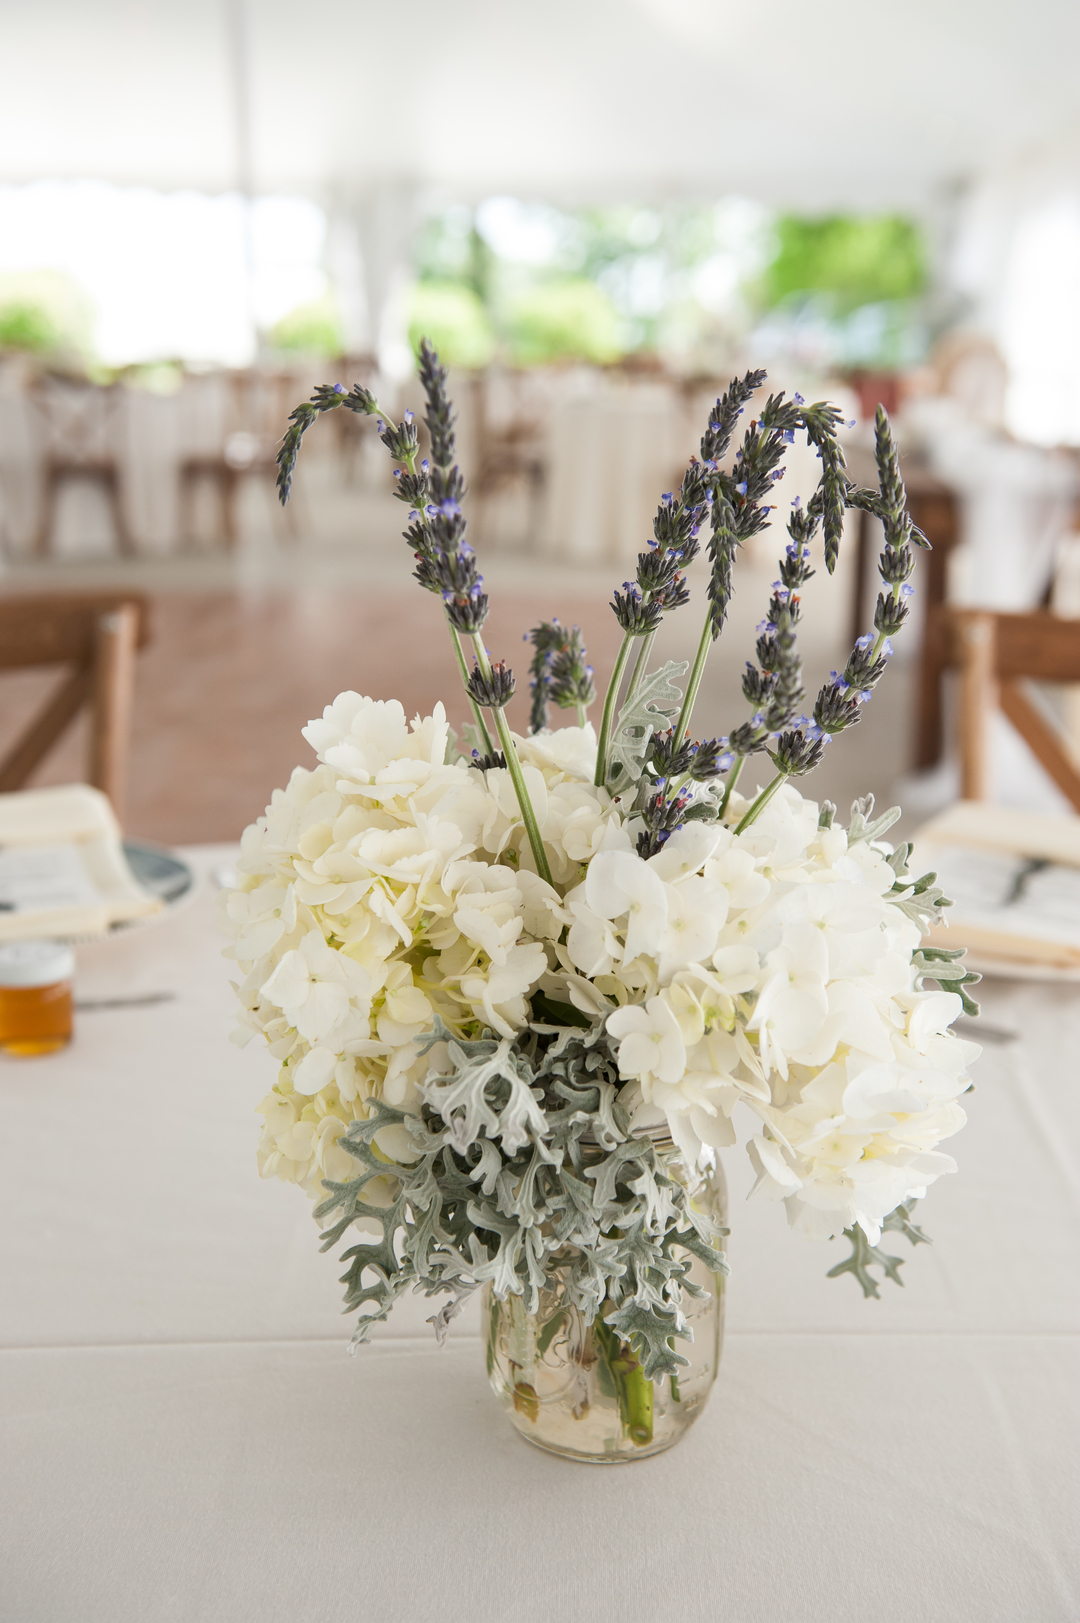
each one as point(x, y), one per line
point(976, 703)
point(862, 570)
point(230, 517)
point(1042, 739)
point(43, 537)
point(35, 742)
point(185, 541)
point(124, 540)
point(114, 690)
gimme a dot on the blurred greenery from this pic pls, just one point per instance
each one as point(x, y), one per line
point(45, 312)
point(566, 319)
point(452, 315)
point(312, 329)
point(589, 283)
point(28, 326)
point(693, 282)
point(851, 259)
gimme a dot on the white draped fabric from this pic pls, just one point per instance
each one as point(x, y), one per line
point(1016, 261)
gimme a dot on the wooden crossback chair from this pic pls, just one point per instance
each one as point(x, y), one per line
point(96, 635)
point(998, 655)
point(81, 426)
point(509, 448)
point(258, 403)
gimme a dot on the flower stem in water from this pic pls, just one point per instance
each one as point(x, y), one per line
point(634, 1392)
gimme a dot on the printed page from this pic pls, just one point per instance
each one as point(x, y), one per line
point(44, 878)
point(1008, 894)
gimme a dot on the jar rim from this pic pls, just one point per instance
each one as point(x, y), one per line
point(25, 964)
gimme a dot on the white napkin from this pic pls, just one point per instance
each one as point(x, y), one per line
point(62, 866)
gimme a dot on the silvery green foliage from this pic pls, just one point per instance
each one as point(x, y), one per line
point(860, 826)
point(944, 965)
point(650, 708)
point(864, 1256)
point(524, 1164)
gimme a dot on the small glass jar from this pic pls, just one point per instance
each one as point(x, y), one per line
point(35, 997)
point(578, 1390)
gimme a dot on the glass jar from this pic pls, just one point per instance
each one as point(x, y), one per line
point(578, 1390)
point(35, 997)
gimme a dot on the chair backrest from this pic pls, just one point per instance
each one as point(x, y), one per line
point(96, 635)
point(998, 655)
point(79, 420)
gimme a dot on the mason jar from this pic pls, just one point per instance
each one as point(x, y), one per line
point(578, 1390)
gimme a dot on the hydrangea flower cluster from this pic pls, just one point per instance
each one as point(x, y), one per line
point(386, 887)
point(774, 968)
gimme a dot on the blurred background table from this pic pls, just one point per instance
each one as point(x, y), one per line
point(186, 1438)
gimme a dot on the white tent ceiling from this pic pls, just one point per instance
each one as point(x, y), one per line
point(832, 103)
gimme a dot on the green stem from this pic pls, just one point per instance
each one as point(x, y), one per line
point(481, 724)
point(682, 727)
point(640, 665)
point(732, 780)
point(582, 715)
point(609, 710)
point(639, 1405)
point(633, 1391)
point(757, 806)
point(528, 816)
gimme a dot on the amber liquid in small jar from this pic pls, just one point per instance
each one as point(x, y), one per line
point(35, 997)
point(35, 1019)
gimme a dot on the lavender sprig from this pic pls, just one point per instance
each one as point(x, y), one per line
point(325, 398)
point(560, 671)
point(840, 701)
point(739, 507)
point(445, 563)
point(660, 583)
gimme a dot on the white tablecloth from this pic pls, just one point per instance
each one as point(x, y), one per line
point(184, 1436)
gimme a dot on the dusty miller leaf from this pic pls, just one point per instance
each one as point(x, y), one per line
point(860, 827)
point(865, 1256)
point(655, 702)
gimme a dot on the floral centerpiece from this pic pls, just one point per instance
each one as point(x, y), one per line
point(517, 988)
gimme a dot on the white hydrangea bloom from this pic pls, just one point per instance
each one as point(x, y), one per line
point(770, 970)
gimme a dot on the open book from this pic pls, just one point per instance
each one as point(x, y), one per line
point(1014, 878)
point(62, 866)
